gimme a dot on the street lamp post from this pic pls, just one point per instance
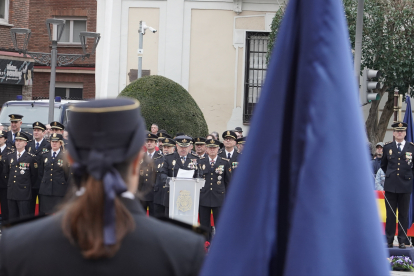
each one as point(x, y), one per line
point(55, 29)
point(142, 28)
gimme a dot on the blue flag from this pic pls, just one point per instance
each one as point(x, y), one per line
point(304, 205)
point(408, 118)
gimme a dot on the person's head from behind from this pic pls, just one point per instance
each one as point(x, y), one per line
point(105, 163)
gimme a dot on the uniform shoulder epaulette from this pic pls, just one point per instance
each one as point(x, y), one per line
point(225, 159)
point(388, 143)
point(31, 154)
point(202, 157)
point(10, 152)
point(412, 143)
point(155, 158)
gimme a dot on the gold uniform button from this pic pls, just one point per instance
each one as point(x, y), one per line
point(398, 169)
point(51, 180)
point(145, 179)
point(51, 169)
point(211, 184)
point(14, 176)
point(398, 158)
point(398, 163)
point(211, 173)
point(146, 174)
point(51, 174)
point(14, 181)
point(398, 174)
point(211, 188)
point(212, 179)
point(25, 187)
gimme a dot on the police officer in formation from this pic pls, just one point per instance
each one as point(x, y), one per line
point(147, 175)
point(15, 126)
point(397, 164)
point(229, 150)
point(54, 175)
point(21, 170)
point(168, 147)
point(217, 174)
point(5, 150)
point(37, 146)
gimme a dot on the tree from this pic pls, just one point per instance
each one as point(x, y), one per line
point(387, 45)
point(167, 104)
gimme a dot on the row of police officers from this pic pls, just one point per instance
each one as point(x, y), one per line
point(213, 164)
point(32, 168)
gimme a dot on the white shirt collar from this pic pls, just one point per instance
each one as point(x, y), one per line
point(57, 152)
point(402, 144)
point(3, 147)
point(215, 159)
point(21, 153)
point(39, 141)
point(20, 130)
point(231, 153)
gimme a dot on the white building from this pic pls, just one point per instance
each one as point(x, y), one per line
point(215, 49)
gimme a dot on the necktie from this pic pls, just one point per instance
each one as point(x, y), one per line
point(18, 156)
point(228, 155)
point(399, 147)
point(13, 137)
point(183, 159)
point(37, 145)
point(212, 163)
point(54, 155)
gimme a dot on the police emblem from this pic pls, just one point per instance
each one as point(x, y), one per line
point(37, 123)
point(173, 162)
point(390, 151)
point(35, 165)
point(184, 140)
point(204, 167)
point(184, 201)
point(11, 160)
point(149, 135)
point(45, 160)
point(228, 132)
point(166, 140)
point(400, 124)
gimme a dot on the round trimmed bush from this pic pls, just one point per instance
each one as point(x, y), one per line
point(167, 104)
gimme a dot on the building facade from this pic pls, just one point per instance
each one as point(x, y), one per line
point(214, 49)
point(21, 75)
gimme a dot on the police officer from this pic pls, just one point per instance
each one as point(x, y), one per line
point(181, 159)
point(58, 128)
point(200, 146)
point(147, 175)
point(397, 164)
point(217, 173)
point(240, 144)
point(103, 229)
point(229, 152)
point(162, 134)
point(54, 174)
point(15, 125)
point(5, 150)
point(21, 171)
point(37, 146)
point(159, 187)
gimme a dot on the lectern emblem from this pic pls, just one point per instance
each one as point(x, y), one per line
point(184, 201)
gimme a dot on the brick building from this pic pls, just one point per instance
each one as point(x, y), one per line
point(22, 75)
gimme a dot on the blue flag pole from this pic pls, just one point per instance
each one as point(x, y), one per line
point(305, 205)
point(408, 118)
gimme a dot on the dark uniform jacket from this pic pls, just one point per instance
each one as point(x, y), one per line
point(54, 174)
point(153, 248)
point(398, 171)
point(147, 177)
point(233, 160)
point(172, 163)
point(159, 186)
point(217, 180)
point(21, 175)
point(43, 147)
point(3, 177)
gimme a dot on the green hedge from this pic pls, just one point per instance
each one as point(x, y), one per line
point(167, 104)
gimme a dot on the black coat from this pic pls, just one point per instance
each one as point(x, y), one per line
point(398, 172)
point(43, 147)
point(3, 177)
point(159, 186)
point(217, 181)
point(21, 175)
point(153, 248)
point(54, 174)
point(172, 163)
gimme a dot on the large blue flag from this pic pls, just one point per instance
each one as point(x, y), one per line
point(305, 205)
point(408, 118)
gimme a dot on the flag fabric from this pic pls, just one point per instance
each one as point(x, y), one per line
point(304, 205)
point(408, 118)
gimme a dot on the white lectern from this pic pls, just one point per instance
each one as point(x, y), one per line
point(185, 198)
